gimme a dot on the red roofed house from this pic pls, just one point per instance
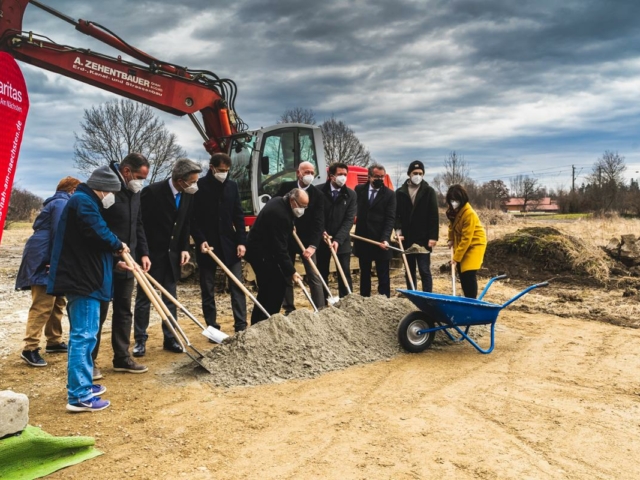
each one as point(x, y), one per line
point(544, 204)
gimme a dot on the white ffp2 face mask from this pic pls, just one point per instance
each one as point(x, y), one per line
point(298, 211)
point(416, 179)
point(307, 179)
point(108, 200)
point(341, 180)
point(191, 189)
point(221, 176)
point(135, 185)
point(455, 204)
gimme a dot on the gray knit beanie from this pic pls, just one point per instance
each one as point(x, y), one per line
point(104, 179)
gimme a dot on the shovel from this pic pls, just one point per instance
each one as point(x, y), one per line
point(209, 332)
point(306, 294)
point(332, 300)
point(453, 274)
point(236, 281)
point(327, 239)
point(406, 264)
point(164, 312)
point(373, 242)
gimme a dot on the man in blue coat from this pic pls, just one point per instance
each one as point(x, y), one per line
point(82, 269)
point(218, 223)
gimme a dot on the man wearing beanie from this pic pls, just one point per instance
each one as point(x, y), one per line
point(417, 222)
point(82, 270)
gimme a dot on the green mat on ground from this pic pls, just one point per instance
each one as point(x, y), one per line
point(34, 453)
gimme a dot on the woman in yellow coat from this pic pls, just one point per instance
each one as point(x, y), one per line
point(466, 237)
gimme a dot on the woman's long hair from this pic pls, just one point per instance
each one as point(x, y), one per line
point(459, 194)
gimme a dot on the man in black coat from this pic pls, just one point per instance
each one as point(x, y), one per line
point(309, 228)
point(124, 219)
point(166, 213)
point(268, 250)
point(218, 222)
point(376, 217)
point(417, 222)
point(340, 206)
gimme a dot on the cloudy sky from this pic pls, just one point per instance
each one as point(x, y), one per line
point(527, 88)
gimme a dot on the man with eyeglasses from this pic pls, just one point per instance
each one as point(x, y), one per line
point(166, 213)
point(268, 250)
point(309, 228)
point(375, 220)
point(218, 223)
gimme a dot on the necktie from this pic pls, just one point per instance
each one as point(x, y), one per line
point(335, 194)
point(178, 199)
point(372, 197)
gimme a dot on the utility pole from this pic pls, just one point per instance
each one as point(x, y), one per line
point(573, 178)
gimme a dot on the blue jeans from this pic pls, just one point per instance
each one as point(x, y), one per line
point(84, 318)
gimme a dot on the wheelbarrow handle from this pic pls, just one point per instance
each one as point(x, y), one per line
point(524, 292)
point(499, 277)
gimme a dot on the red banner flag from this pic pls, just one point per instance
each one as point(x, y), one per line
point(14, 105)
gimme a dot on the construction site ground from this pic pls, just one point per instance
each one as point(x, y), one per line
point(558, 398)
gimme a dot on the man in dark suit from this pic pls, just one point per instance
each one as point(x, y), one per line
point(166, 212)
point(218, 222)
point(309, 228)
point(124, 219)
point(340, 206)
point(376, 218)
point(268, 250)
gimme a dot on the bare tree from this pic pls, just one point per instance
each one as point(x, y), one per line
point(607, 179)
point(525, 187)
point(494, 192)
point(22, 206)
point(456, 170)
point(114, 129)
point(342, 145)
point(298, 115)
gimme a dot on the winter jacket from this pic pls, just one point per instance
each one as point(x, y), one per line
point(418, 221)
point(469, 239)
point(339, 215)
point(309, 226)
point(218, 219)
point(124, 219)
point(374, 222)
point(82, 256)
point(269, 237)
point(37, 251)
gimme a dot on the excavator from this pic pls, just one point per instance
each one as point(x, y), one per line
point(262, 159)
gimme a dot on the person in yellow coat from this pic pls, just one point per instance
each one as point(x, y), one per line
point(467, 238)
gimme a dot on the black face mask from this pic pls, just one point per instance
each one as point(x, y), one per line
point(377, 183)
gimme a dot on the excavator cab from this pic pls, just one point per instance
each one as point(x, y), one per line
point(266, 158)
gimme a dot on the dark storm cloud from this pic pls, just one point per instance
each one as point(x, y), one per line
point(501, 80)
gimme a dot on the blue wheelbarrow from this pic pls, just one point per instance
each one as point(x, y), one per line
point(417, 330)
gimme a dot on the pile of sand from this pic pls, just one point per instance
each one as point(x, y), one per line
point(302, 345)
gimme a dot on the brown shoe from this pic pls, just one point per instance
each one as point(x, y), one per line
point(129, 367)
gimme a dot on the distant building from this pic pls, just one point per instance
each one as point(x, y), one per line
point(545, 204)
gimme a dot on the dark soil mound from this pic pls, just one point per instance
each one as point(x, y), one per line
point(541, 253)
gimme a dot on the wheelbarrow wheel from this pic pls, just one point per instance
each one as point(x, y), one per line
point(408, 336)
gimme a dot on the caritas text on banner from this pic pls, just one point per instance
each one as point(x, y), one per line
point(14, 105)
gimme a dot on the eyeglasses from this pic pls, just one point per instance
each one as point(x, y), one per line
point(301, 206)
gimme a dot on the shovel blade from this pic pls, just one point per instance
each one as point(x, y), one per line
point(333, 300)
point(214, 334)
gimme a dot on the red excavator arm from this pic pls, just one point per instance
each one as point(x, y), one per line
point(171, 88)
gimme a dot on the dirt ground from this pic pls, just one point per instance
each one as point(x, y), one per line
point(558, 398)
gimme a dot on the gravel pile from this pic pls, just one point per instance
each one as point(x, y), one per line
point(302, 345)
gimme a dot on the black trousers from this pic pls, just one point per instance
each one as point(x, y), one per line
point(316, 290)
point(207, 291)
point(382, 270)
point(121, 320)
point(423, 261)
point(324, 261)
point(271, 287)
point(469, 283)
point(164, 276)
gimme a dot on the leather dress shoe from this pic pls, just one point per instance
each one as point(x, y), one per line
point(139, 349)
point(172, 345)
